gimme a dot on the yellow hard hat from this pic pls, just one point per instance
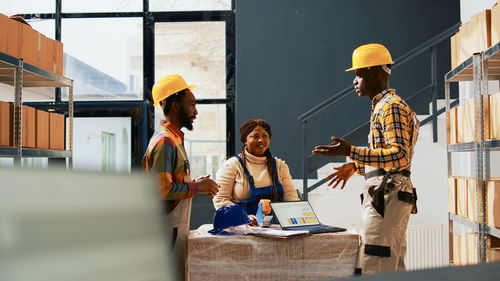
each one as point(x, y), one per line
point(370, 55)
point(168, 86)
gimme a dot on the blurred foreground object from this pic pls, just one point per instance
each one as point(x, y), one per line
point(60, 225)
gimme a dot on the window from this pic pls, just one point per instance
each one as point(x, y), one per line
point(206, 143)
point(78, 6)
point(196, 51)
point(101, 56)
point(10, 7)
point(189, 5)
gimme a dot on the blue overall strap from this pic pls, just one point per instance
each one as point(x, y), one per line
point(279, 187)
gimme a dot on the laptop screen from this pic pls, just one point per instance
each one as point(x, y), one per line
point(295, 213)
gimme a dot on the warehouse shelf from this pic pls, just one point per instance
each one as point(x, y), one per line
point(493, 231)
point(492, 144)
point(15, 72)
point(32, 75)
point(463, 221)
point(462, 147)
point(479, 69)
point(32, 152)
point(463, 72)
point(472, 146)
point(492, 57)
point(8, 151)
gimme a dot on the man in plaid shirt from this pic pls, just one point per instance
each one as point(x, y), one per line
point(388, 197)
point(167, 159)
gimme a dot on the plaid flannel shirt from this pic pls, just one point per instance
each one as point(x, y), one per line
point(167, 158)
point(391, 129)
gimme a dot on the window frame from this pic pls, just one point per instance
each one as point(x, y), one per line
point(143, 111)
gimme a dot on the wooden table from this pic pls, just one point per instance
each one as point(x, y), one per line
point(307, 257)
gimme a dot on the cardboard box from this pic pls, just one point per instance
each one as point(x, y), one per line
point(13, 38)
point(494, 116)
point(493, 203)
point(465, 122)
point(28, 124)
point(454, 50)
point(58, 55)
point(5, 126)
point(472, 249)
point(461, 123)
point(471, 200)
point(3, 33)
point(486, 116)
point(462, 197)
point(452, 133)
point(42, 129)
point(492, 254)
point(473, 37)
point(46, 55)
point(56, 131)
point(29, 45)
point(463, 250)
point(452, 195)
point(456, 250)
point(469, 115)
point(495, 25)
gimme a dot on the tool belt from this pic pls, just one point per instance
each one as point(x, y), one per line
point(378, 200)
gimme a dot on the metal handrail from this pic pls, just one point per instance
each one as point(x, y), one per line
point(431, 45)
point(398, 62)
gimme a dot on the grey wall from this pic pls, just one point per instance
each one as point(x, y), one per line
point(291, 56)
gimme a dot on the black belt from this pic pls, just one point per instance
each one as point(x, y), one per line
point(379, 203)
point(382, 172)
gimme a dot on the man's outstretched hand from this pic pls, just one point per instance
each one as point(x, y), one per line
point(340, 147)
point(207, 186)
point(342, 174)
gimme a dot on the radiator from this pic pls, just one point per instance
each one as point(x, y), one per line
point(425, 247)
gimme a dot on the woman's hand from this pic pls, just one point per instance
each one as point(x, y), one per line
point(253, 220)
point(343, 173)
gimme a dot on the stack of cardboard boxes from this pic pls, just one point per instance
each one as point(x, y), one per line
point(19, 40)
point(40, 129)
point(462, 201)
point(461, 120)
point(465, 251)
point(480, 33)
point(477, 35)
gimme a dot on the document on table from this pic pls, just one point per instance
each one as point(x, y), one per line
point(275, 233)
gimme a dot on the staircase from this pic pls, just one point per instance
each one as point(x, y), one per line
point(313, 162)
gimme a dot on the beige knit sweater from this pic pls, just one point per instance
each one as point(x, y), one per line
point(234, 185)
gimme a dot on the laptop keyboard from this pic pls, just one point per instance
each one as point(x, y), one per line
point(317, 228)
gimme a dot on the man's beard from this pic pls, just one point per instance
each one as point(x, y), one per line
point(185, 119)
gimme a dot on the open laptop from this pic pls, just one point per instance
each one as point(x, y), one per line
point(299, 215)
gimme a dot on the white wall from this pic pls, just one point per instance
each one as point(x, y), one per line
point(87, 142)
point(468, 8)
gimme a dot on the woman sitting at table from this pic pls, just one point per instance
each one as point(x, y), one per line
point(254, 173)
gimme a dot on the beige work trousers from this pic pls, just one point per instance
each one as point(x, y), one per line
point(388, 231)
point(180, 218)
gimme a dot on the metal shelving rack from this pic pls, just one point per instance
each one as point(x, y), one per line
point(14, 72)
point(480, 68)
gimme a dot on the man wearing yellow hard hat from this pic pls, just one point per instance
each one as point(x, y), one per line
point(167, 159)
point(388, 196)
